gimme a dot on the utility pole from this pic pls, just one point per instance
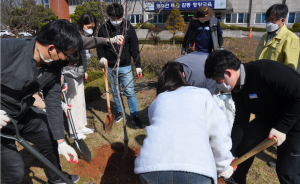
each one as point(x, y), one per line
point(58, 9)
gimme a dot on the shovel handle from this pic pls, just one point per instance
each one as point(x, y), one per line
point(106, 86)
point(263, 145)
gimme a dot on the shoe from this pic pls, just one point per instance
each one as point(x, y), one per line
point(86, 130)
point(137, 122)
point(272, 164)
point(119, 117)
point(80, 136)
point(73, 178)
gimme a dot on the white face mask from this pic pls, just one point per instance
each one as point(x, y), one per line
point(116, 23)
point(42, 57)
point(271, 27)
point(224, 87)
point(88, 32)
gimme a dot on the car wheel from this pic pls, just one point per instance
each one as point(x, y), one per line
point(21, 35)
point(4, 35)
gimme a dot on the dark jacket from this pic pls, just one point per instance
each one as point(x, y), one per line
point(131, 45)
point(271, 91)
point(206, 40)
point(19, 82)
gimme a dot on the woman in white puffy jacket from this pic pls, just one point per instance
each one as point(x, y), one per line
point(188, 138)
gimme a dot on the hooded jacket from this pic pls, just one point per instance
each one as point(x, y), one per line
point(130, 49)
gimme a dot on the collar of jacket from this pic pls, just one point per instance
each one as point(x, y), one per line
point(30, 51)
point(280, 35)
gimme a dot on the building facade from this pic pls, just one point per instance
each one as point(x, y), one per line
point(246, 13)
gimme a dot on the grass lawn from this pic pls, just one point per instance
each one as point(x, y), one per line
point(107, 165)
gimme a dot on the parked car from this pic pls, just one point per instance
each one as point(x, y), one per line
point(21, 34)
point(5, 33)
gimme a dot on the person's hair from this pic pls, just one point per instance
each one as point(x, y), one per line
point(279, 10)
point(174, 64)
point(115, 10)
point(218, 61)
point(170, 79)
point(62, 34)
point(84, 19)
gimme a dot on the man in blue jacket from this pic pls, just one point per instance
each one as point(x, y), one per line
point(28, 66)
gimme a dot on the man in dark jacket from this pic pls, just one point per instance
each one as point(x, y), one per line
point(27, 66)
point(204, 32)
point(115, 26)
point(271, 91)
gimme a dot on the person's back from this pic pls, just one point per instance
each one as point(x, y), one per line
point(193, 66)
point(188, 132)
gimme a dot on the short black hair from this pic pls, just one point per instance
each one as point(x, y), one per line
point(63, 35)
point(86, 18)
point(115, 10)
point(279, 10)
point(218, 61)
point(170, 79)
point(173, 64)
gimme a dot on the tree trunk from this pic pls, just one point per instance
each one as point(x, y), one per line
point(174, 38)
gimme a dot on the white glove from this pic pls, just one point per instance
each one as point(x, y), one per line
point(117, 39)
point(279, 135)
point(68, 107)
point(66, 149)
point(226, 174)
point(4, 119)
point(102, 62)
point(139, 71)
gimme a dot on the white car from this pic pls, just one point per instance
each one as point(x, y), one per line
point(21, 34)
point(5, 33)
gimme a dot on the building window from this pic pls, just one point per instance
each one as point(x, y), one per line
point(134, 18)
point(161, 18)
point(238, 18)
point(228, 18)
point(46, 3)
point(292, 17)
point(260, 18)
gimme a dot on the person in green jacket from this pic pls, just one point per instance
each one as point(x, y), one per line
point(278, 43)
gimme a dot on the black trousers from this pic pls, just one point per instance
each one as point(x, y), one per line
point(246, 137)
point(33, 128)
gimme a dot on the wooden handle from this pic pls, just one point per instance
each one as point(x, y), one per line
point(106, 86)
point(263, 145)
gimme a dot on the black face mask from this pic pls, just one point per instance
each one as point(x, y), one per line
point(59, 64)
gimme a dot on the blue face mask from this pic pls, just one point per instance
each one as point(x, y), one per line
point(224, 87)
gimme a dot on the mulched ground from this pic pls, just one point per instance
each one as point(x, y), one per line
point(107, 166)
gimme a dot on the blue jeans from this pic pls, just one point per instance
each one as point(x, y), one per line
point(174, 177)
point(129, 91)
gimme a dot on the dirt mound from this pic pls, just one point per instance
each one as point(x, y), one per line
point(107, 166)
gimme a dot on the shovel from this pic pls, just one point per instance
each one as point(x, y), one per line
point(35, 153)
point(263, 145)
point(79, 145)
point(109, 118)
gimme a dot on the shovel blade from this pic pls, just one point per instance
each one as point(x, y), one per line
point(109, 123)
point(82, 150)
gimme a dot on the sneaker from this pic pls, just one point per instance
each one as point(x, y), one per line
point(73, 178)
point(86, 130)
point(80, 136)
point(119, 117)
point(137, 122)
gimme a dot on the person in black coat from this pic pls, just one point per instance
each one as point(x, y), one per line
point(271, 91)
point(114, 27)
